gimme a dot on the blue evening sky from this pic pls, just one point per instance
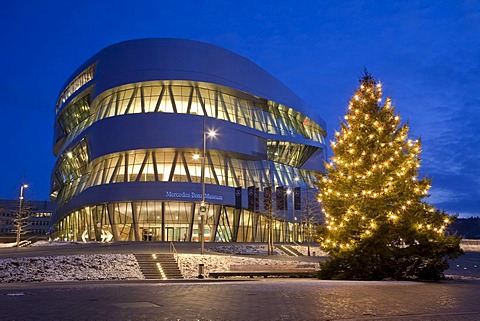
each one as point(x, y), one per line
point(426, 54)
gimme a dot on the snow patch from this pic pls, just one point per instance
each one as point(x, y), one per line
point(70, 268)
point(188, 263)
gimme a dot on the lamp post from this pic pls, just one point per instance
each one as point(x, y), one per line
point(294, 205)
point(203, 207)
point(289, 192)
point(20, 218)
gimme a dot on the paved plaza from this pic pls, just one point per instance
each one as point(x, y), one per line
point(233, 299)
point(259, 299)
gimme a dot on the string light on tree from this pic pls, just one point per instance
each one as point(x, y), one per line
point(374, 170)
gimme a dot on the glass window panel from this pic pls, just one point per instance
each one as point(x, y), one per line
point(136, 103)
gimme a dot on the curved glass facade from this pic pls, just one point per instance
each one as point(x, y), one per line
point(161, 97)
point(172, 221)
point(129, 156)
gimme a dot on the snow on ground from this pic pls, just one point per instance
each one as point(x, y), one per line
point(125, 266)
point(70, 268)
point(314, 250)
point(188, 263)
point(244, 249)
point(38, 243)
point(262, 250)
point(47, 243)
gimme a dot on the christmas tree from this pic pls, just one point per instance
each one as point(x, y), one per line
point(376, 223)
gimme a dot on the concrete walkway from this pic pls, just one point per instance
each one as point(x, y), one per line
point(264, 299)
point(260, 299)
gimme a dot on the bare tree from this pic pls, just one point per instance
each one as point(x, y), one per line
point(311, 217)
point(267, 204)
point(22, 216)
point(20, 223)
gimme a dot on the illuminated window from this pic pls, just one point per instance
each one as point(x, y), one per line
point(76, 84)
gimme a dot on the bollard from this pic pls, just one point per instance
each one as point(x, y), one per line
point(201, 270)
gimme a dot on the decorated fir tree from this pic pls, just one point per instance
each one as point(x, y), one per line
point(377, 224)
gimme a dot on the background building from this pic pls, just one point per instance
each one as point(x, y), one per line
point(37, 216)
point(131, 129)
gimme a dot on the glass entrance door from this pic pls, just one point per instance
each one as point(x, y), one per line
point(176, 234)
point(169, 234)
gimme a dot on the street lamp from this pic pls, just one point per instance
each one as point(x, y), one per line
point(203, 207)
point(294, 206)
point(287, 238)
point(20, 218)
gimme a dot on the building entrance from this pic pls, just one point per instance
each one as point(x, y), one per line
point(152, 234)
point(176, 234)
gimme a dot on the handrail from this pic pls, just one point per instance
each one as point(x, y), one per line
point(173, 250)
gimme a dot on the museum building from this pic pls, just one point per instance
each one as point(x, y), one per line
point(147, 129)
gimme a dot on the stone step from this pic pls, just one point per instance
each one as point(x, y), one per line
point(290, 251)
point(167, 264)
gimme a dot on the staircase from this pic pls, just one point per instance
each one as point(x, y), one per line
point(290, 251)
point(158, 266)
